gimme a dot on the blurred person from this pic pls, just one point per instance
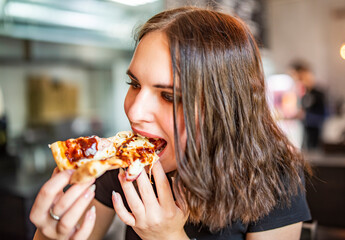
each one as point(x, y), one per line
point(227, 171)
point(313, 104)
point(333, 132)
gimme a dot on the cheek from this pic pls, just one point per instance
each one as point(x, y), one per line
point(168, 121)
point(128, 101)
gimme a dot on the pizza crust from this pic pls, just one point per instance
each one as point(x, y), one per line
point(58, 151)
point(94, 169)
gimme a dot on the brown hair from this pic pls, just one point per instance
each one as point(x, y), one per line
point(237, 164)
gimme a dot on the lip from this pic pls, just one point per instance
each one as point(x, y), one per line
point(146, 134)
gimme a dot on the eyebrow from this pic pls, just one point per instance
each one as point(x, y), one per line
point(161, 86)
point(129, 73)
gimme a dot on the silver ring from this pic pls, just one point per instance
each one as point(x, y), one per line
point(53, 215)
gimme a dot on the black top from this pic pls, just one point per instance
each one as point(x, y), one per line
point(278, 217)
point(314, 105)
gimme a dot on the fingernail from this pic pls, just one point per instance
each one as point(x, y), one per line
point(114, 196)
point(93, 209)
point(91, 212)
point(91, 189)
point(121, 171)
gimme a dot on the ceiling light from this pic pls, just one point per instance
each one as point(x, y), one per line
point(43, 15)
point(134, 2)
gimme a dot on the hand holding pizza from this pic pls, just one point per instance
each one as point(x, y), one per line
point(56, 213)
point(151, 217)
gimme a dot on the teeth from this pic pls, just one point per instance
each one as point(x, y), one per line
point(158, 151)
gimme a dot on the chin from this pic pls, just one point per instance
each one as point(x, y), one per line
point(167, 165)
point(167, 159)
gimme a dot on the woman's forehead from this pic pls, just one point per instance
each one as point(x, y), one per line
point(151, 59)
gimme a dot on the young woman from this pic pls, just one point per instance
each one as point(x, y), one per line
point(227, 171)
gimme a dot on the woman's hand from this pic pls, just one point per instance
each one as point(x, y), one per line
point(151, 217)
point(69, 207)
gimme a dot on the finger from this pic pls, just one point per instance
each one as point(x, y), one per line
point(47, 195)
point(60, 194)
point(70, 196)
point(56, 171)
point(87, 226)
point(132, 197)
point(146, 191)
point(57, 198)
point(164, 192)
point(125, 216)
point(74, 213)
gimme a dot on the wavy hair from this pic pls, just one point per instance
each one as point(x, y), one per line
point(237, 164)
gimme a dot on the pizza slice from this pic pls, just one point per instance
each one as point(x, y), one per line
point(93, 156)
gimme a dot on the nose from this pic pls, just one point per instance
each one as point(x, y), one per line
point(139, 107)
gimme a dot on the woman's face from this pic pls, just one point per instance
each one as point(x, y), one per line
point(149, 101)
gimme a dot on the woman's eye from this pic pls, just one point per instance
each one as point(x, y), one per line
point(169, 97)
point(133, 84)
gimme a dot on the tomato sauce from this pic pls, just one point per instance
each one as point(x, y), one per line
point(76, 148)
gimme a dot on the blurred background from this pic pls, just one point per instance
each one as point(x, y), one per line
point(62, 75)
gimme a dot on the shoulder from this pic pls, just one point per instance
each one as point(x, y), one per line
point(235, 231)
point(283, 222)
point(283, 214)
point(289, 232)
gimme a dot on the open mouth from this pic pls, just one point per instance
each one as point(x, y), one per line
point(160, 145)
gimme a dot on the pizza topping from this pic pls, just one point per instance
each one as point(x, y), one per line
point(91, 151)
point(159, 144)
point(83, 147)
point(139, 147)
point(132, 148)
point(92, 156)
point(103, 143)
point(138, 151)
